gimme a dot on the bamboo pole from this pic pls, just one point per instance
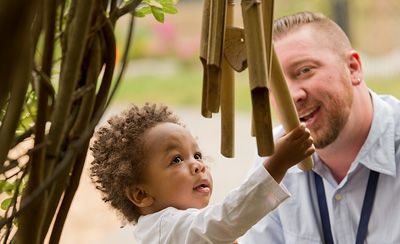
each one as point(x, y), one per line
point(227, 97)
point(203, 56)
point(287, 111)
point(268, 18)
point(256, 58)
point(214, 53)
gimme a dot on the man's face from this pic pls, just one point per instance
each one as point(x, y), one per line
point(319, 81)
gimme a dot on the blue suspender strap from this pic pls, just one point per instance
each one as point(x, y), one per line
point(365, 211)
point(367, 206)
point(323, 209)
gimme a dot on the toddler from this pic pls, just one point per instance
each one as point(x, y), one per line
point(149, 167)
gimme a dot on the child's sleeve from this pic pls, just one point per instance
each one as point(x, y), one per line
point(225, 222)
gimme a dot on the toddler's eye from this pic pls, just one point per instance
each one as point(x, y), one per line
point(198, 156)
point(177, 159)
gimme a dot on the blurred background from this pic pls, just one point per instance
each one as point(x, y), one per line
point(164, 67)
point(164, 57)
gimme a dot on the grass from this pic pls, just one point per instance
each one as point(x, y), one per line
point(385, 85)
point(182, 87)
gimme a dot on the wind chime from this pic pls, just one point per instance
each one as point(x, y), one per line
point(225, 49)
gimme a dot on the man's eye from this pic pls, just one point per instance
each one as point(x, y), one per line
point(304, 70)
point(177, 160)
point(198, 156)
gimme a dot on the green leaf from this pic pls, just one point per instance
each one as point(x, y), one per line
point(170, 9)
point(9, 187)
point(2, 184)
point(21, 187)
point(143, 11)
point(162, 2)
point(158, 8)
point(158, 14)
point(6, 203)
point(139, 14)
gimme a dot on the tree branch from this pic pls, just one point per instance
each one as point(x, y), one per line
point(110, 49)
point(129, 7)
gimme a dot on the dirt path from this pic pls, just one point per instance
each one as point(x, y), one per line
point(92, 221)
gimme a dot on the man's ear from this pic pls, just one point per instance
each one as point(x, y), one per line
point(354, 64)
point(139, 196)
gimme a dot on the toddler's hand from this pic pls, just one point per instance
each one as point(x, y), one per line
point(294, 147)
point(290, 149)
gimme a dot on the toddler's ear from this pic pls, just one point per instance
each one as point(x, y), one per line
point(139, 196)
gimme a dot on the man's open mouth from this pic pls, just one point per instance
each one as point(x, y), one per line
point(307, 115)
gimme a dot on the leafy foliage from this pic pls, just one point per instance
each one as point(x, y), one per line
point(158, 8)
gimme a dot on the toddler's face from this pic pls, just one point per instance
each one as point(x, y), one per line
point(175, 174)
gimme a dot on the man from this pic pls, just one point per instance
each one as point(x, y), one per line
point(357, 138)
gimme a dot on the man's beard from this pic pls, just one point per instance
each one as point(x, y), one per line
point(335, 121)
point(323, 139)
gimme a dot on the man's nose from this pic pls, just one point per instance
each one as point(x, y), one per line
point(297, 92)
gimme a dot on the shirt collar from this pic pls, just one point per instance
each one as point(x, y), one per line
point(378, 151)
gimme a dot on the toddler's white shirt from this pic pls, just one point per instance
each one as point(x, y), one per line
point(219, 223)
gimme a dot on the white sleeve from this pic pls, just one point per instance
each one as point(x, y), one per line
point(227, 221)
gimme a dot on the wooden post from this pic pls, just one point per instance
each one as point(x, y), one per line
point(268, 18)
point(203, 56)
point(287, 111)
point(214, 54)
point(227, 97)
point(256, 58)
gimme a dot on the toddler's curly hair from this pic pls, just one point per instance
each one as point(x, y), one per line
point(119, 154)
